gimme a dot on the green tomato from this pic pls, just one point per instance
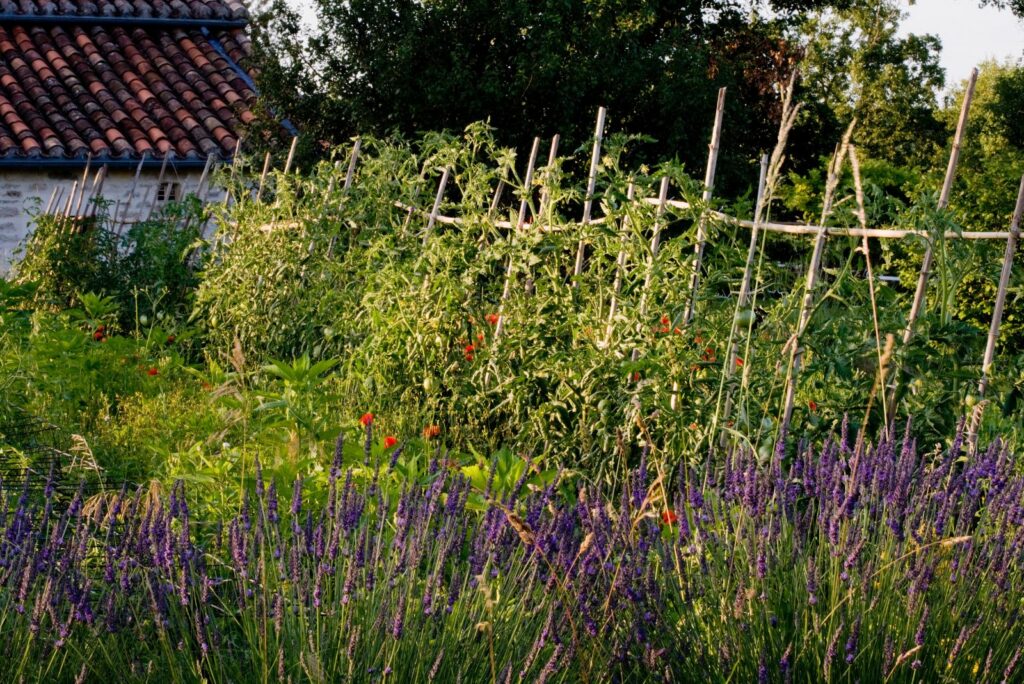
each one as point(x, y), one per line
point(744, 317)
point(144, 319)
point(429, 384)
point(970, 400)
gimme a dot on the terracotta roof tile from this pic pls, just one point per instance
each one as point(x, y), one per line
point(119, 91)
point(170, 9)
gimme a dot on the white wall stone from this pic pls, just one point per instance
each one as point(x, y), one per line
point(25, 192)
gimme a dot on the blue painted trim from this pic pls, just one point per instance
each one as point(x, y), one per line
point(127, 22)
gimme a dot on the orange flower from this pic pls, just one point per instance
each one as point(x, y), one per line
point(153, 371)
point(739, 362)
point(698, 340)
point(390, 441)
point(431, 431)
point(491, 318)
point(366, 419)
point(812, 405)
point(693, 426)
point(479, 337)
point(668, 517)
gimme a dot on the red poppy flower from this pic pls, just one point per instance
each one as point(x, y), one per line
point(479, 337)
point(678, 331)
point(390, 441)
point(468, 352)
point(491, 318)
point(668, 517)
point(431, 431)
point(664, 320)
point(693, 426)
point(170, 339)
point(98, 335)
point(739, 362)
point(636, 376)
point(366, 419)
point(812, 405)
point(153, 371)
point(698, 340)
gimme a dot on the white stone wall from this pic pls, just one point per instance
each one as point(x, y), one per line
point(24, 193)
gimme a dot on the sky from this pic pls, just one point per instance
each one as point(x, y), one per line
point(969, 34)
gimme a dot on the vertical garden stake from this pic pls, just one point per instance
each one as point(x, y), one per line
point(588, 202)
point(813, 269)
point(709, 187)
point(997, 311)
point(947, 186)
point(620, 267)
point(520, 221)
point(263, 176)
point(437, 205)
point(545, 192)
point(926, 261)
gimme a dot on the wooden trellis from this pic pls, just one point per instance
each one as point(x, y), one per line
point(758, 226)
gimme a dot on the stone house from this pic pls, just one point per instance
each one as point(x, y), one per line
point(137, 98)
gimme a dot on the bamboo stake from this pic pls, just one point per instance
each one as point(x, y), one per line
point(813, 270)
point(997, 310)
point(655, 247)
point(588, 203)
point(498, 191)
point(53, 197)
point(862, 217)
point(437, 205)
point(947, 186)
point(291, 155)
point(159, 182)
point(131, 195)
point(926, 262)
point(236, 160)
point(350, 174)
point(520, 221)
point(97, 190)
point(81, 185)
point(203, 177)
point(71, 199)
point(545, 193)
point(709, 186)
point(748, 270)
point(263, 176)
point(620, 268)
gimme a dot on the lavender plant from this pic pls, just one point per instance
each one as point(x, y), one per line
point(843, 562)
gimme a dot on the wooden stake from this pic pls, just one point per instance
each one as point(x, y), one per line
point(81, 185)
point(53, 198)
point(520, 222)
point(709, 186)
point(813, 269)
point(159, 182)
point(203, 178)
point(291, 155)
point(620, 268)
point(263, 176)
point(588, 203)
point(545, 192)
point(743, 298)
point(350, 174)
point(437, 205)
point(131, 195)
point(997, 310)
point(947, 186)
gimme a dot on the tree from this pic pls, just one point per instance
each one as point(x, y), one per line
point(539, 67)
point(858, 67)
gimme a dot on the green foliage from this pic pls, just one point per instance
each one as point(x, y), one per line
point(146, 270)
